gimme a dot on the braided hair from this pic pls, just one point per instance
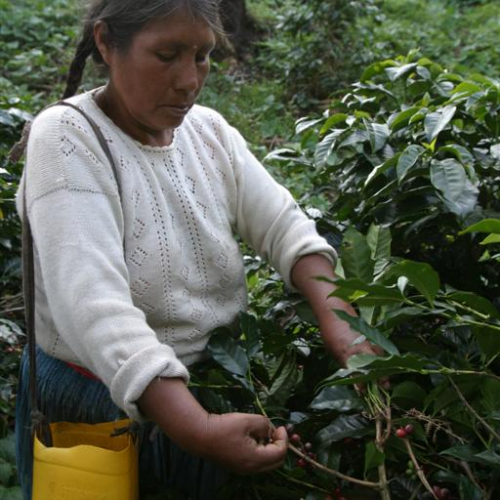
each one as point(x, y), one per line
point(124, 19)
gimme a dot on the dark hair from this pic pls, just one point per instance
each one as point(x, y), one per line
point(124, 19)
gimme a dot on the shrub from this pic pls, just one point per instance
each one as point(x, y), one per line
point(409, 156)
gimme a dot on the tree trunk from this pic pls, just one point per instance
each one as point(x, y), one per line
point(239, 26)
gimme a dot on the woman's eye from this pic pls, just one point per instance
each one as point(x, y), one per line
point(166, 57)
point(201, 58)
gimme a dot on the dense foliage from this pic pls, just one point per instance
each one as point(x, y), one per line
point(407, 161)
point(401, 173)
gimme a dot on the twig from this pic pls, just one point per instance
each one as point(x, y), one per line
point(435, 423)
point(214, 386)
point(388, 424)
point(418, 469)
point(333, 472)
point(382, 473)
point(465, 466)
point(474, 412)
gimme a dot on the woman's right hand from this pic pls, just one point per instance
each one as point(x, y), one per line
point(243, 443)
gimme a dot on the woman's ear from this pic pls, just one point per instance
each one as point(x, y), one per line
point(101, 37)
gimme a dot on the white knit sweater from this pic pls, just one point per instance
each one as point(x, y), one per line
point(131, 290)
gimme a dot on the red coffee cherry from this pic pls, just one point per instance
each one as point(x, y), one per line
point(409, 429)
point(401, 433)
point(295, 438)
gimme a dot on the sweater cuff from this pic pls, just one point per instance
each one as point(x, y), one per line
point(139, 371)
point(325, 250)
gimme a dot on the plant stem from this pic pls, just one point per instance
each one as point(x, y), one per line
point(214, 386)
point(333, 472)
point(474, 412)
point(418, 469)
point(382, 473)
point(469, 309)
point(454, 317)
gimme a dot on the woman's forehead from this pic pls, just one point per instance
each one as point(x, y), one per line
point(180, 28)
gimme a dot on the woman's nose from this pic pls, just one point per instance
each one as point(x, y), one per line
point(188, 78)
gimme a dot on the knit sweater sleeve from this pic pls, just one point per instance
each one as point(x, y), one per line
point(77, 224)
point(268, 217)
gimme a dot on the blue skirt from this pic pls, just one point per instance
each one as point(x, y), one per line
point(66, 395)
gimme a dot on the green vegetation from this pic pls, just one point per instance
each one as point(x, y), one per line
point(383, 118)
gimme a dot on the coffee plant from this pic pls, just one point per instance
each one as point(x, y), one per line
point(407, 164)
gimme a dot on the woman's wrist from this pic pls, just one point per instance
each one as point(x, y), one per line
point(169, 403)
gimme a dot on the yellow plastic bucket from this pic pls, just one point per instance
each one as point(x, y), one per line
point(86, 463)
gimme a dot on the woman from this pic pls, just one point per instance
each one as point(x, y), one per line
point(134, 273)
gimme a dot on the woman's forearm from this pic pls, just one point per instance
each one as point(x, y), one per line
point(169, 403)
point(337, 335)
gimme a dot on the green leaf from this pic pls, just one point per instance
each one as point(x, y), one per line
point(342, 427)
point(379, 240)
point(491, 239)
point(449, 177)
point(473, 302)
point(250, 330)
point(489, 457)
point(355, 290)
point(464, 452)
point(484, 226)
point(468, 490)
point(365, 368)
point(360, 325)
point(225, 351)
point(6, 119)
point(332, 121)
point(402, 119)
point(325, 147)
point(465, 89)
point(408, 394)
point(283, 384)
point(373, 457)
point(462, 154)
point(420, 274)
point(490, 391)
point(383, 167)
point(397, 72)
point(304, 124)
point(354, 138)
point(488, 340)
point(376, 69)
point(356, 256)
point(407, 159)
point(378, 134)
point(340, 399)
point(467, 201)
point(436, 122)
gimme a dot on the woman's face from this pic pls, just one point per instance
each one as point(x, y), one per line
point(155, 82)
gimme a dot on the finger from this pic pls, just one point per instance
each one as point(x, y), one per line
point(280, 436)
point(259, 427)
point(273, 453)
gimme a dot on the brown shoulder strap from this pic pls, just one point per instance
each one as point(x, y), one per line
point(39, 423)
